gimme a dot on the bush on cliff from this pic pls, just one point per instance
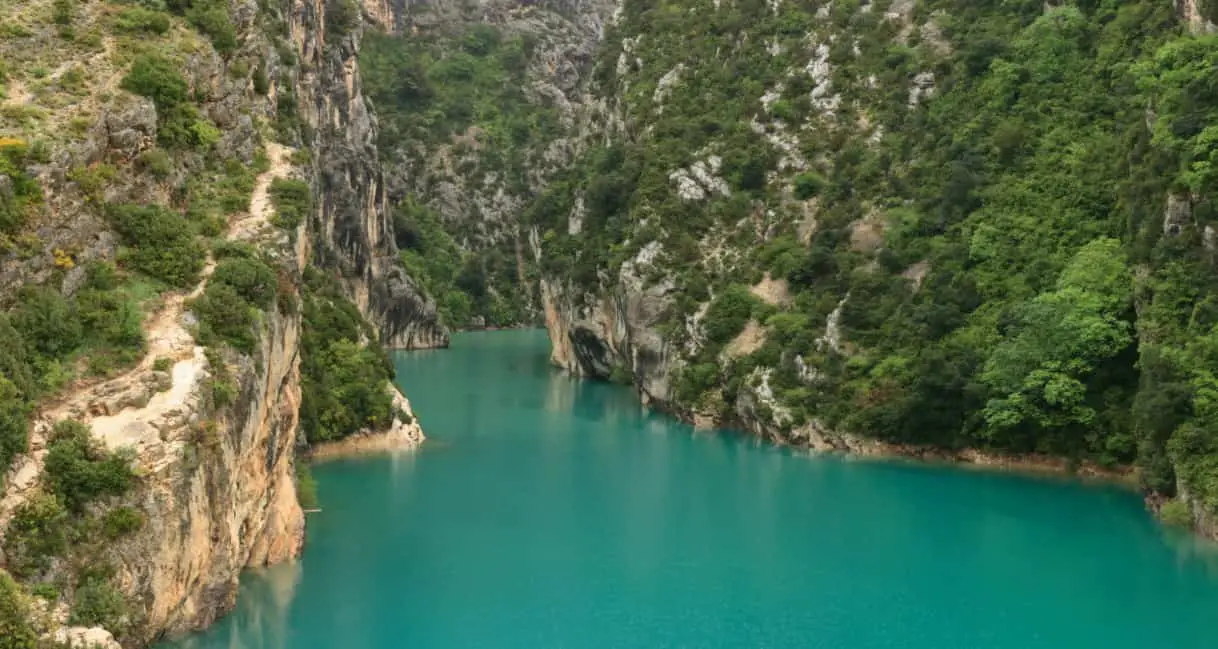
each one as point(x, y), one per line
point(157, 78)
point(15, 630)
point(211, 17)
point(343, 383)
point(98, 603)
point(179, 124)
point(293, 199)
point(225, 316)
point(38, 532)
point(14, 425)
point(252, 279)
point(162, 243)
point(24, 190)
point(79, 470)
point(47, 322)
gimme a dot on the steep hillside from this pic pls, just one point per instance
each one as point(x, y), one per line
point(193, 243)
point(479, 104)
point(906, 227)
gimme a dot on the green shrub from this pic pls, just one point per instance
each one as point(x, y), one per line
point(79, 470)
point(121, 521)
point(181, 127)
point(47, 322)
point(178, 122)
point(728, 313)
point(15, 156)
point(696, 379)
point(238, 69)
point(14, 423)
point(92, 180)
point(481, 40)
point(306, 487)
point(163, 243)
point(621, 375)
point(253, 280)
point(224, 315)
point(156, 162)
point(1176, 513)
point(293, 199)
point(342, 16)
point(223, 392)
point(343, 383)
point(73, 81)
point(157, 78)
point(97, 603)
point(162, 364)
point(212, 19)
point(808, 185)
point(262, 84)
point(234, 250)
point(355, 397)
point(139, 19)
point(46, 590)
point(112, 321)
point(15, 629)
point(17, 364)
point(62, 12)
point(37, 533)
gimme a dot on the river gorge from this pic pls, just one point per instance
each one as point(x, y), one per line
point(545, 511)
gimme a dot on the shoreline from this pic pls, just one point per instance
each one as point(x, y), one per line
point(362, 444)
point(403, 434)
point(1032, 465)
point(814, 440)
point(1029, 464)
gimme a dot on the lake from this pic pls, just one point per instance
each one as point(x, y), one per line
point(547, 512)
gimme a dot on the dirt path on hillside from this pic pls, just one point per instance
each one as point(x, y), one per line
point(130, 410)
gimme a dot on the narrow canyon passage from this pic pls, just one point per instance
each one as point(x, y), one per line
point(546, 512)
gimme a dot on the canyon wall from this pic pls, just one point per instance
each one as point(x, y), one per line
point(800, 231)
point(208, 418)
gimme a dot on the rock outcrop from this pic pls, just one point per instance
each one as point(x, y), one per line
point(594, 335)
point(692, 209)
point(477, 182)
point(353, 229)
point(214, 432)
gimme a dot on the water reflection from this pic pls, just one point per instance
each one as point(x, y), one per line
point(261, 617)
point(1192, 552)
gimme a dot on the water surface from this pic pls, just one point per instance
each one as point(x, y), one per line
point(546, 512)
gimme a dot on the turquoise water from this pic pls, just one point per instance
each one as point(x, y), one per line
point(551, 513)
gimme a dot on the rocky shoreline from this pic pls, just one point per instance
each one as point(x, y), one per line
point(405, 434)
point(815, 439)
point(363, 444)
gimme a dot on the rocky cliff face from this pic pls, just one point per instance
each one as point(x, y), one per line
point(475, 150)
point(760, 248)
point(614, 334)
point(354, 230)
point(212, 431)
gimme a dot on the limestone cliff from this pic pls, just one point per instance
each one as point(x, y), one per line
point(207, 408)
point(354, 230)
point(810, 225)
point(474, 151)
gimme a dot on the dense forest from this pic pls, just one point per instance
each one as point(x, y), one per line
point(1013, 228)
point(992, 223)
